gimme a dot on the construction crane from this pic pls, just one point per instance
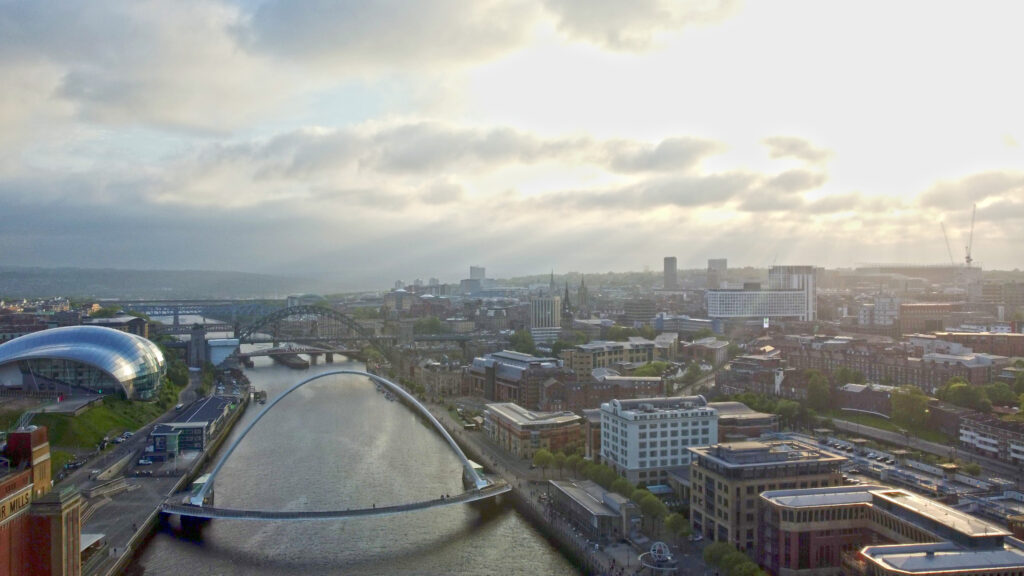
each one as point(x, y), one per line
point(948, 249)
point(970, 241)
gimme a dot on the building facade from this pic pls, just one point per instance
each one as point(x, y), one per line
point(522, 432)
point(603, 386)
point(878, 531)
point(40, 529)
point(642, 439)
point(510, 376)
point(86, 359)
point(726, 480)
point(791, 295)
point(991, 436)
point(584, 358)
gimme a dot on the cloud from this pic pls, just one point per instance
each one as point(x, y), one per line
point(853, 202)
point(669, 155)
point(633, 25)
point(159, 63)
point(356, 34)
point(798, 148)
point(958, 195)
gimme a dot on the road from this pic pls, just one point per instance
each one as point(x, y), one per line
point(85, 476)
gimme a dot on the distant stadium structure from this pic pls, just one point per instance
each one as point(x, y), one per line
point(82, 360)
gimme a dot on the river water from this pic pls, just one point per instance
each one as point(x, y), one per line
point(338, 443)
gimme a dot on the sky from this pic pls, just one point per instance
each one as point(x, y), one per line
point(365, 142)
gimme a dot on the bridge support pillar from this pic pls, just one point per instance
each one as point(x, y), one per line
point(329, 358)
point(312, 359)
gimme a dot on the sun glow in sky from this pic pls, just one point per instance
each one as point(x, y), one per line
point(365, 142)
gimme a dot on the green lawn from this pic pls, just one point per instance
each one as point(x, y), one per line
point(928, 434)
point(108, 418)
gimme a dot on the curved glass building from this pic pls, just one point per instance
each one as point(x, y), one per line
point(89, 359)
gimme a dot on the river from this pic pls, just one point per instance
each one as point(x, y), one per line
point(338, 443)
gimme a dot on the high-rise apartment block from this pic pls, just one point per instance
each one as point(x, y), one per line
point(717, 267)
point(671, 274)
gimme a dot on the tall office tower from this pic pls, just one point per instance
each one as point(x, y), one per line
point(545, 318)
point(717, 268)
point(477, 272)
point(671, 276)
point(796, 278)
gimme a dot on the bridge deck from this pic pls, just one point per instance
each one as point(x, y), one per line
point(229, 513)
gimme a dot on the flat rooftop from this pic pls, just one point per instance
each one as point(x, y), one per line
point(886, 498)
point(206, 410)
point(760, 453)
point(589, 495)
point(523, 417)
point(944, 557)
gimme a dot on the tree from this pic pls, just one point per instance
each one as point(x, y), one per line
point(1018, 383)
point(558, 346)
point(843, 375)
point(961, 393)
point(560, 458)
point(732, 560)
point(715, 551)
point(620, 333)
point(574, 462)
point(543, 459)
point(677, 525)
point(788, 411)
point(701, 334)
point(909, 406)
point(522, 341)
point(1000, 394)
point(819, 393)
point(428, 325)
point(653, 507)
point(623, 487)
point(640, 494)
point(651, 369)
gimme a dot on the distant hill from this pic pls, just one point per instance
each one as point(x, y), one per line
point(27, 282)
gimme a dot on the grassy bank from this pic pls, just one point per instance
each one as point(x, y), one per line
point(928, 434)
point(108, 418)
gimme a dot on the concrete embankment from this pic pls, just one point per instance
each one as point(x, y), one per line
point(519, 495)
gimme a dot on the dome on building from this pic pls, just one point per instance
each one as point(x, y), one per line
point(131, 361)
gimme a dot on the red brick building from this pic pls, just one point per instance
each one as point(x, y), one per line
point(40, 530)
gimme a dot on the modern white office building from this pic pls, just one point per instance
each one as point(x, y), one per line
point(791, 295)
point(641, 439)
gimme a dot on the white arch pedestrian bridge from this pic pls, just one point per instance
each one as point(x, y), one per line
point(482, 489)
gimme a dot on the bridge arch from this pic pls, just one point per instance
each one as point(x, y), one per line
point(468, 469)
point(247, 333)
